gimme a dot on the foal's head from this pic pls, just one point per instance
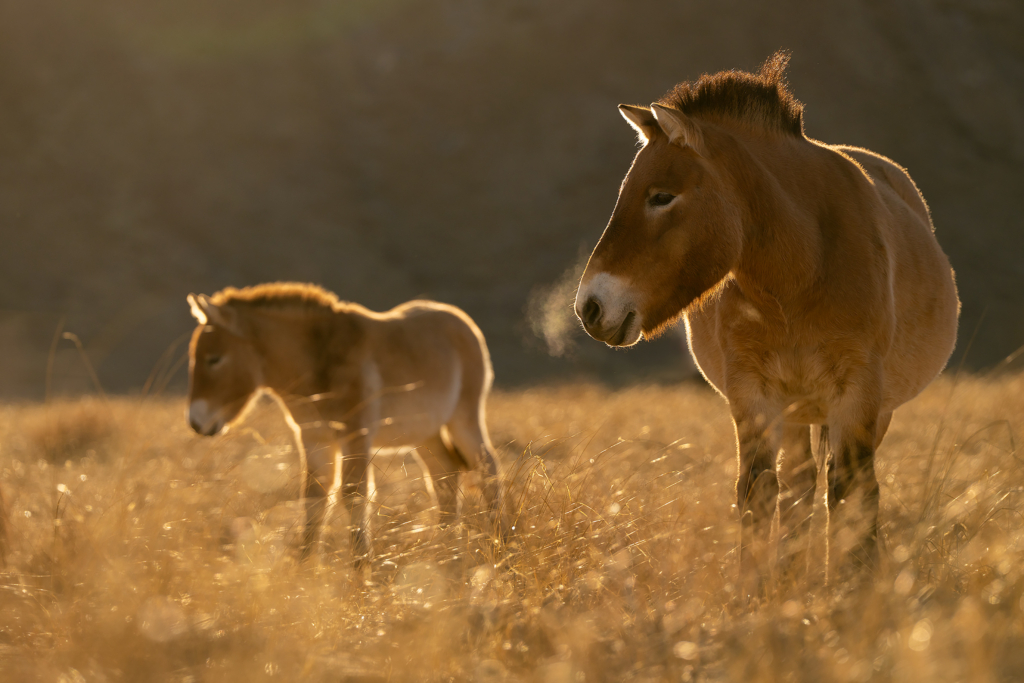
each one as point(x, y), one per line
point(674, 234)
point(224, 367)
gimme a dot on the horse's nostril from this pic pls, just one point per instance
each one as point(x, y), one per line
point(591, 312)
point(196, 427)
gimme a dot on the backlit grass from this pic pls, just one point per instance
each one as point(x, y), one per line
point(142, 552)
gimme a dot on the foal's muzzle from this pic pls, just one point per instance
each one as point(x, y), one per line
point(204, 430)
point(201, 420)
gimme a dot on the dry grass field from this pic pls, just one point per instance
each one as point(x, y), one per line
point(142, 552)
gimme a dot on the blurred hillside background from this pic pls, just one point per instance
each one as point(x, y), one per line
point(462, 150)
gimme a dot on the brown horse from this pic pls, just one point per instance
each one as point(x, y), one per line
point(815, 296)
point(349, 380)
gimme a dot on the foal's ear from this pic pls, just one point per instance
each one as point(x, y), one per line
point(641, 119)
point(198, 311)
point(680, 129)
point(208, 313)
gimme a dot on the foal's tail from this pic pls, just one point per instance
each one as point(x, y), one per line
point(4, 531)
point(820, 445)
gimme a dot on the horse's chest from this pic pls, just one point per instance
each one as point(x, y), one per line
point(796, 380)
point(750, 362)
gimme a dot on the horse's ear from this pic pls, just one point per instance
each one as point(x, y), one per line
point(680, 129)
point(641, 119)
point(197, 309)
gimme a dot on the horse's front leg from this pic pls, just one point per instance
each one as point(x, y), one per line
point(798, 474)
point(757, 492)
point(853, 491)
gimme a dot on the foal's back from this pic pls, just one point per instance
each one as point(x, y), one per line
point(422, 335)
point(429, 362)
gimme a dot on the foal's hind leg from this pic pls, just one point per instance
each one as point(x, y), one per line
point(444, 467)
point(358, 492)
point(4, 537)
point(797, 479)
point(469, 437)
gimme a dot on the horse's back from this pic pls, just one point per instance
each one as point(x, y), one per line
point(893, 178)
point(925, 302)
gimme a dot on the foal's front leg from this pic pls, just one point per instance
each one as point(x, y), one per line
point(322, 455)
point(757, 492)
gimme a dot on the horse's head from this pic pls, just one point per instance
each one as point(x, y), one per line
point(223, 369)
point(674, 234)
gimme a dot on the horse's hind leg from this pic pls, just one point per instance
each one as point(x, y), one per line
point(444, 467)
point(469, 438)
point(797, 479)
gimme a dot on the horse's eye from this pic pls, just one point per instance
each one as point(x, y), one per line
point(661, 199)
point(213, 360)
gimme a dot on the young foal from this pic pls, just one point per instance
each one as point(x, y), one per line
point(348, 380)
point(815, 296)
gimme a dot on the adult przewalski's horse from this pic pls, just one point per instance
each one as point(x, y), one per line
point(815, 296)
point(349, 380)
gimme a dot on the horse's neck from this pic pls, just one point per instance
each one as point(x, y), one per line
point(782, 244)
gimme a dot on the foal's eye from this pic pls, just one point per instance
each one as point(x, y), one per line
point(213, 360)
point(661, 199)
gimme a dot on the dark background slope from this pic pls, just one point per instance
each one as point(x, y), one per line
point(456, 149)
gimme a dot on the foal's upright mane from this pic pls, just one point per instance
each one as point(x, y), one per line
point(761, 100)
point(290, 295)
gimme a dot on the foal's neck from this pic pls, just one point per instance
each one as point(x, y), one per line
point(298, 346)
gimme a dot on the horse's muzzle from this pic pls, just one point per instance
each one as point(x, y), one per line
point(626, 333)
point(605, 305)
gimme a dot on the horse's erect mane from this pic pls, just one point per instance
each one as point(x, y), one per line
point(278, 295)
point(761, 99)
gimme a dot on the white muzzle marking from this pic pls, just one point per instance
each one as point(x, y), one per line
point(618, 308)
point(201, 418)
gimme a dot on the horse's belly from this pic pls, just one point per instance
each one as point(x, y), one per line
point(925, 335)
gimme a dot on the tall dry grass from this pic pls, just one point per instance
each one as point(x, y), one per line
point(142, 552)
